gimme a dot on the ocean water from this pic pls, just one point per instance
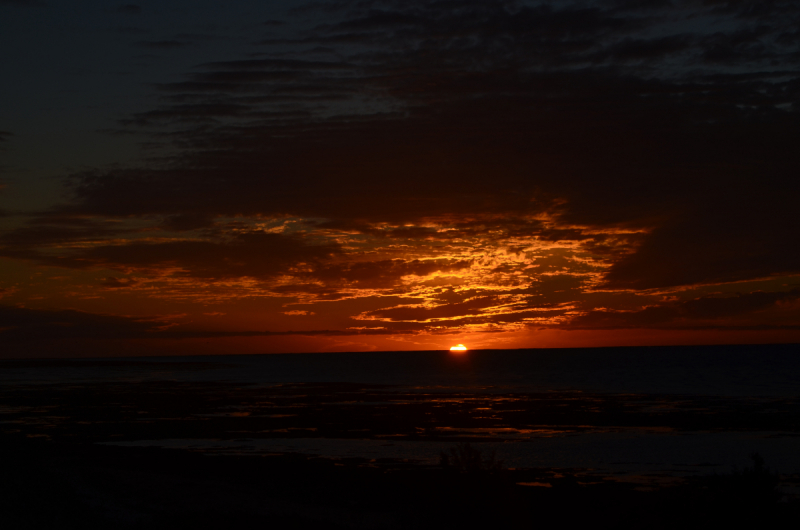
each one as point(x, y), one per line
point(742, 370)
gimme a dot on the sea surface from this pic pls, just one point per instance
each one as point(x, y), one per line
point(639, 413)
point(742, 370)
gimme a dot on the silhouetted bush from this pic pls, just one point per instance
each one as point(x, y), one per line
point(756, 485)
point(747, 496)
point(466, 459)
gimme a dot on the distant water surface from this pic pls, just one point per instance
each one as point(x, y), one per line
point(746, 370)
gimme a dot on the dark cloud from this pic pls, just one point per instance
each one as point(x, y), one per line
point(23, 2)
point(378, 20)
point(280, 64)
point(689, 313)
point(129, 9)
point(187, 222)
point(422, 314)
point(338, 332)
point(4, 136)
point(642, 5)
point(382, 274)
point(189, 113)
point(725, 238)
point(118, 283)
point(744, 45)
point(199, 37)
point(162, 44)
point(56, 229)
point(20, 324)
point(551, 290)
point(753, 9)
point(451, 319)
point(655, 137)
point(267, 77)
point(131, 30)
point(256, 255)
point(319, 292)
point(647, 49)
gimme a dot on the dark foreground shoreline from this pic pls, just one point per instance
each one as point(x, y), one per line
point(71, 458)
point(62, 485)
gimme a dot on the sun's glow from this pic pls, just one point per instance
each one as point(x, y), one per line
point(459, 347)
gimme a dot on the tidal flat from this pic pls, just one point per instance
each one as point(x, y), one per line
point(207, 454)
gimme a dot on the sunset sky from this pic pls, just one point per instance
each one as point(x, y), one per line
point(203, 176)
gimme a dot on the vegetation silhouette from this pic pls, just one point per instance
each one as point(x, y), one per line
point(464, 458)
point(747, 497)
point(758, 483)
point(750, 490)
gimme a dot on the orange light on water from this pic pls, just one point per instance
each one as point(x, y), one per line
point(457, 348)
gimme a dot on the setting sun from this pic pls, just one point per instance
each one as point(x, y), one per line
point(459, 347)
